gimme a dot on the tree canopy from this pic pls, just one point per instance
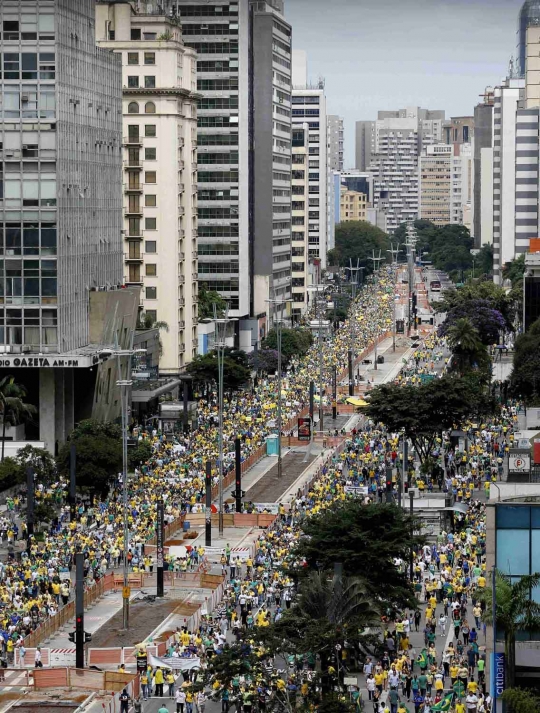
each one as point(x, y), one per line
point(468, 352)
point(366, 539)
point(448, 246)
point(99, 454)
point(525, 376)
point(294, 342)
point(204, 369)
point(487, 294)
point(425, 410)
point(206, 300)
point(264, 360)
point(356, 240)
point(480, 313)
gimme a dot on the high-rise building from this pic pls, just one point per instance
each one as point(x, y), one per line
point(506, 175)
point(335, 142)
point(529, 16)
point(435, 172)
point(300, 211)
point(400, 137)
point(244, 155)
point(483, 171)
point(160, 142)
point(458, 130)
point(309, 107)
point(365, 143)
point(61, 213)
point(353, 205)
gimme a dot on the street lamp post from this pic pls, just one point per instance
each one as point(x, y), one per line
point(125, 386)
point(221, 326)
point(279, 334)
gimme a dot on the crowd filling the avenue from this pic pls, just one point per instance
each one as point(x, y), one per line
point(445, 672)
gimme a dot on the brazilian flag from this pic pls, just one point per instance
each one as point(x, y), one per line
point(422, 659)
point(445, 704)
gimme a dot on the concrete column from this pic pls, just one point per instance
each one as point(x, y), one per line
point(69, 402)
point(59, 411)
point(47, 432)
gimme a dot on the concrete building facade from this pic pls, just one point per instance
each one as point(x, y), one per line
point(353, 205)
point(160, 144)
point(335, 142)
point(435, 181)
point(365, 143)
point(60, 213)
point(244, 133)
point(482, 170)
point(309, 107)
point(300, 211)
point(400, 137)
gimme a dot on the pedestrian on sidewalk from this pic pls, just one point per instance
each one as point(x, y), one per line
point(442, 624)
point(180, 698)
point(124, 701)
point(170, 683)
point(158, 682)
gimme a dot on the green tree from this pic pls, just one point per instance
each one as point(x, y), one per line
point(206, 300)
point(41, 461)
point(44, 512)
point(12, 405)
point(516, 612)
point(465, 297)
point(204, 370)
point(11, 473)
point(366, 539)
point(521, 700)
point(525, 376)
point(99, 455)
point(436, 406)
point(468, 352)
point(139, 454)
point(294, 342)
point(356, 240)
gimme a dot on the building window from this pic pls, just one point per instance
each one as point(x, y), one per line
point(150, 177)
point(150, 246)
point(133, 108)
point(151, 271)
point(150, 82)
point(135, 34)
point(149, 108)
point(151, 315)
point(150, 154)
point(150, 223)
point(150, 200)
point(150, 130)
point(133, 58)
point(133, 82)
point(151, 293)
point(149, 57)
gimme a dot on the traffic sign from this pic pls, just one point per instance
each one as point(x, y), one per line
point(126, 592)
point(519, 462)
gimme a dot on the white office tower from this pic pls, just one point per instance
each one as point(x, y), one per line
point(445, 184)
point(398, 140)
point(309, 107)
point(244, 153)
point(160, 190)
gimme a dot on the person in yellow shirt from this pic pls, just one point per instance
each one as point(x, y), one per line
point(459, 707)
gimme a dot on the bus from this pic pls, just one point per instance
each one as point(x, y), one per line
point(435, 286)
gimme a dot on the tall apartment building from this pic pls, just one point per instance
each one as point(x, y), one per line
point(160, 139)
point(365, 143)
point(353, 205)
point(309, 107)
point(483, 171)
point(529, 16)
point(60, 213)
point(435, 179)
point(300, 211)
point(506, 177)
point(244, 155)
point(458, 130)
point(335, 142)
point(399, 138)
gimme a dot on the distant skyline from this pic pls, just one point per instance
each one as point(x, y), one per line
point(389, 54)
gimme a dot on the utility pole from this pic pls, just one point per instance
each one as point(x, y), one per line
point(394, 252)
point(208, 506)
point(278, 327)
point(30, 505)
point(376, 265)
point(79, 610)
point(410, 244)
point(352, 320)
point(221, 328)
point(72, 482)
point(160, 526)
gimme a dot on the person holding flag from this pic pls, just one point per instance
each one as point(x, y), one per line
point(443, 705)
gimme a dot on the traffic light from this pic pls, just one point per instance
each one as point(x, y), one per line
point(71, 636)
point(87, 637)
point(242, 493)
point(79, 630)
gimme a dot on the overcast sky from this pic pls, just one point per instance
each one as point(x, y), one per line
point(388, 54)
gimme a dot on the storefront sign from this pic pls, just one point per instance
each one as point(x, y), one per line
point(55, 361)
point(519, 462)
point(498, 674)
point(160, 518)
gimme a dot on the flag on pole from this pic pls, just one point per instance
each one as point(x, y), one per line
point(422, 659)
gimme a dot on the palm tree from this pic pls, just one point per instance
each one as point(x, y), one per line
point(515, 612)
point(464, 342)
point(13, 407)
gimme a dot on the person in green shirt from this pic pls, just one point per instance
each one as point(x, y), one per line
point(163, 709)
point(422, 681)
